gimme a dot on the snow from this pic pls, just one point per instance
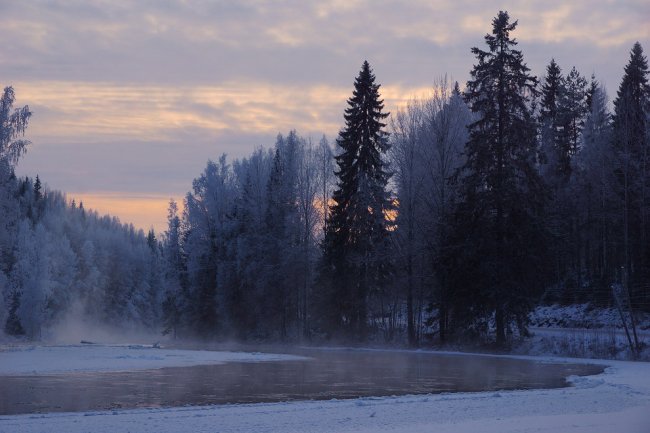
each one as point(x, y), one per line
point(583, 331)
point(582, 316)
point(616, 401)
point(32, 360)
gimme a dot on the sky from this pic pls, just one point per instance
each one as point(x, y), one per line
point(131, 98)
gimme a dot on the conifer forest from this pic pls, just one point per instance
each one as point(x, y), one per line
point(447, 220)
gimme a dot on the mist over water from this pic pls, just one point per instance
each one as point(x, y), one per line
point(326, 374)
point(76, 325)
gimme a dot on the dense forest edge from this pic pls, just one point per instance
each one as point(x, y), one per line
point(444, 223)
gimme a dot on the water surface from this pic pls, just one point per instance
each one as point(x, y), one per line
point(327, 374)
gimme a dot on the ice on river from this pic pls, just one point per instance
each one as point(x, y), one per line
point(31, 360)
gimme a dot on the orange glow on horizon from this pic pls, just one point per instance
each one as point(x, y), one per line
point(144, 211)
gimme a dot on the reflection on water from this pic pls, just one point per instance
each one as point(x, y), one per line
point(327, 374)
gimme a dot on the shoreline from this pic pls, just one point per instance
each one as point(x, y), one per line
point(616, 400)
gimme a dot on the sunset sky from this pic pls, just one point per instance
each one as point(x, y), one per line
point(131, 98)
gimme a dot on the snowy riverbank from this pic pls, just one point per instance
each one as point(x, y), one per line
point(33, 360)
point(583, 331)
point(583, 316)
point(615, 401)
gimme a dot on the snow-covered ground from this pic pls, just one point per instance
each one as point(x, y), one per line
point(581, 330)
point(617, 401)
point(31, 360)
point(582, 316)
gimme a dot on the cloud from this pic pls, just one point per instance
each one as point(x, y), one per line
point(87, 112)
point(284, 41)
point(135, 96)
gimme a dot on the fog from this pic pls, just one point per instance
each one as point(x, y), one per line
point(325, 374)
point(76, 326)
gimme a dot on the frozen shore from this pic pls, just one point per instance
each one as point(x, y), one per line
point(34, 360)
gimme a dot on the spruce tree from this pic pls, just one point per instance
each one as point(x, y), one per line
point(501, 240)
point(563, 109)
point(630, 129)
point(572, 110)
point(37, 189)
point(355, 259)
point(631, 103)
point(593, 88)
point(552, 89)
point(564, 106)
point(275, 291)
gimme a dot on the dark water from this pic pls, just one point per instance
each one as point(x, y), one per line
point(327, 374)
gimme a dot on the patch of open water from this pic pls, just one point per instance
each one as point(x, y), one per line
point(327, 374)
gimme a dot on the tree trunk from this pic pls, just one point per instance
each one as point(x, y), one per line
point(409, 289)
point(442, 323)
point(499, 318)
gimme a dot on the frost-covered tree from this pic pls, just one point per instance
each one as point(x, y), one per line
point(596, 195)
point(13, 123)
point(30, 277)
point(173, 272)
point(445, 135)
point(282, 237)
point(12, 323)
point(309, 179)
point(207, 209)
point(69, 260)
point(428, 138)
point(244, 297)
point(10, 215)
point(406, 154)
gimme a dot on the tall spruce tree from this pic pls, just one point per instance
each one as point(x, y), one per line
point(355, 258)
point(556, 163)
point(630, 128)
point(502, 193)
point(572, 111)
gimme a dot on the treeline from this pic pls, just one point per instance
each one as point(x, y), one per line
point(241, 258)
point(544, 197)
point(477, 206)
point(449, 220)
point(57, 257)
